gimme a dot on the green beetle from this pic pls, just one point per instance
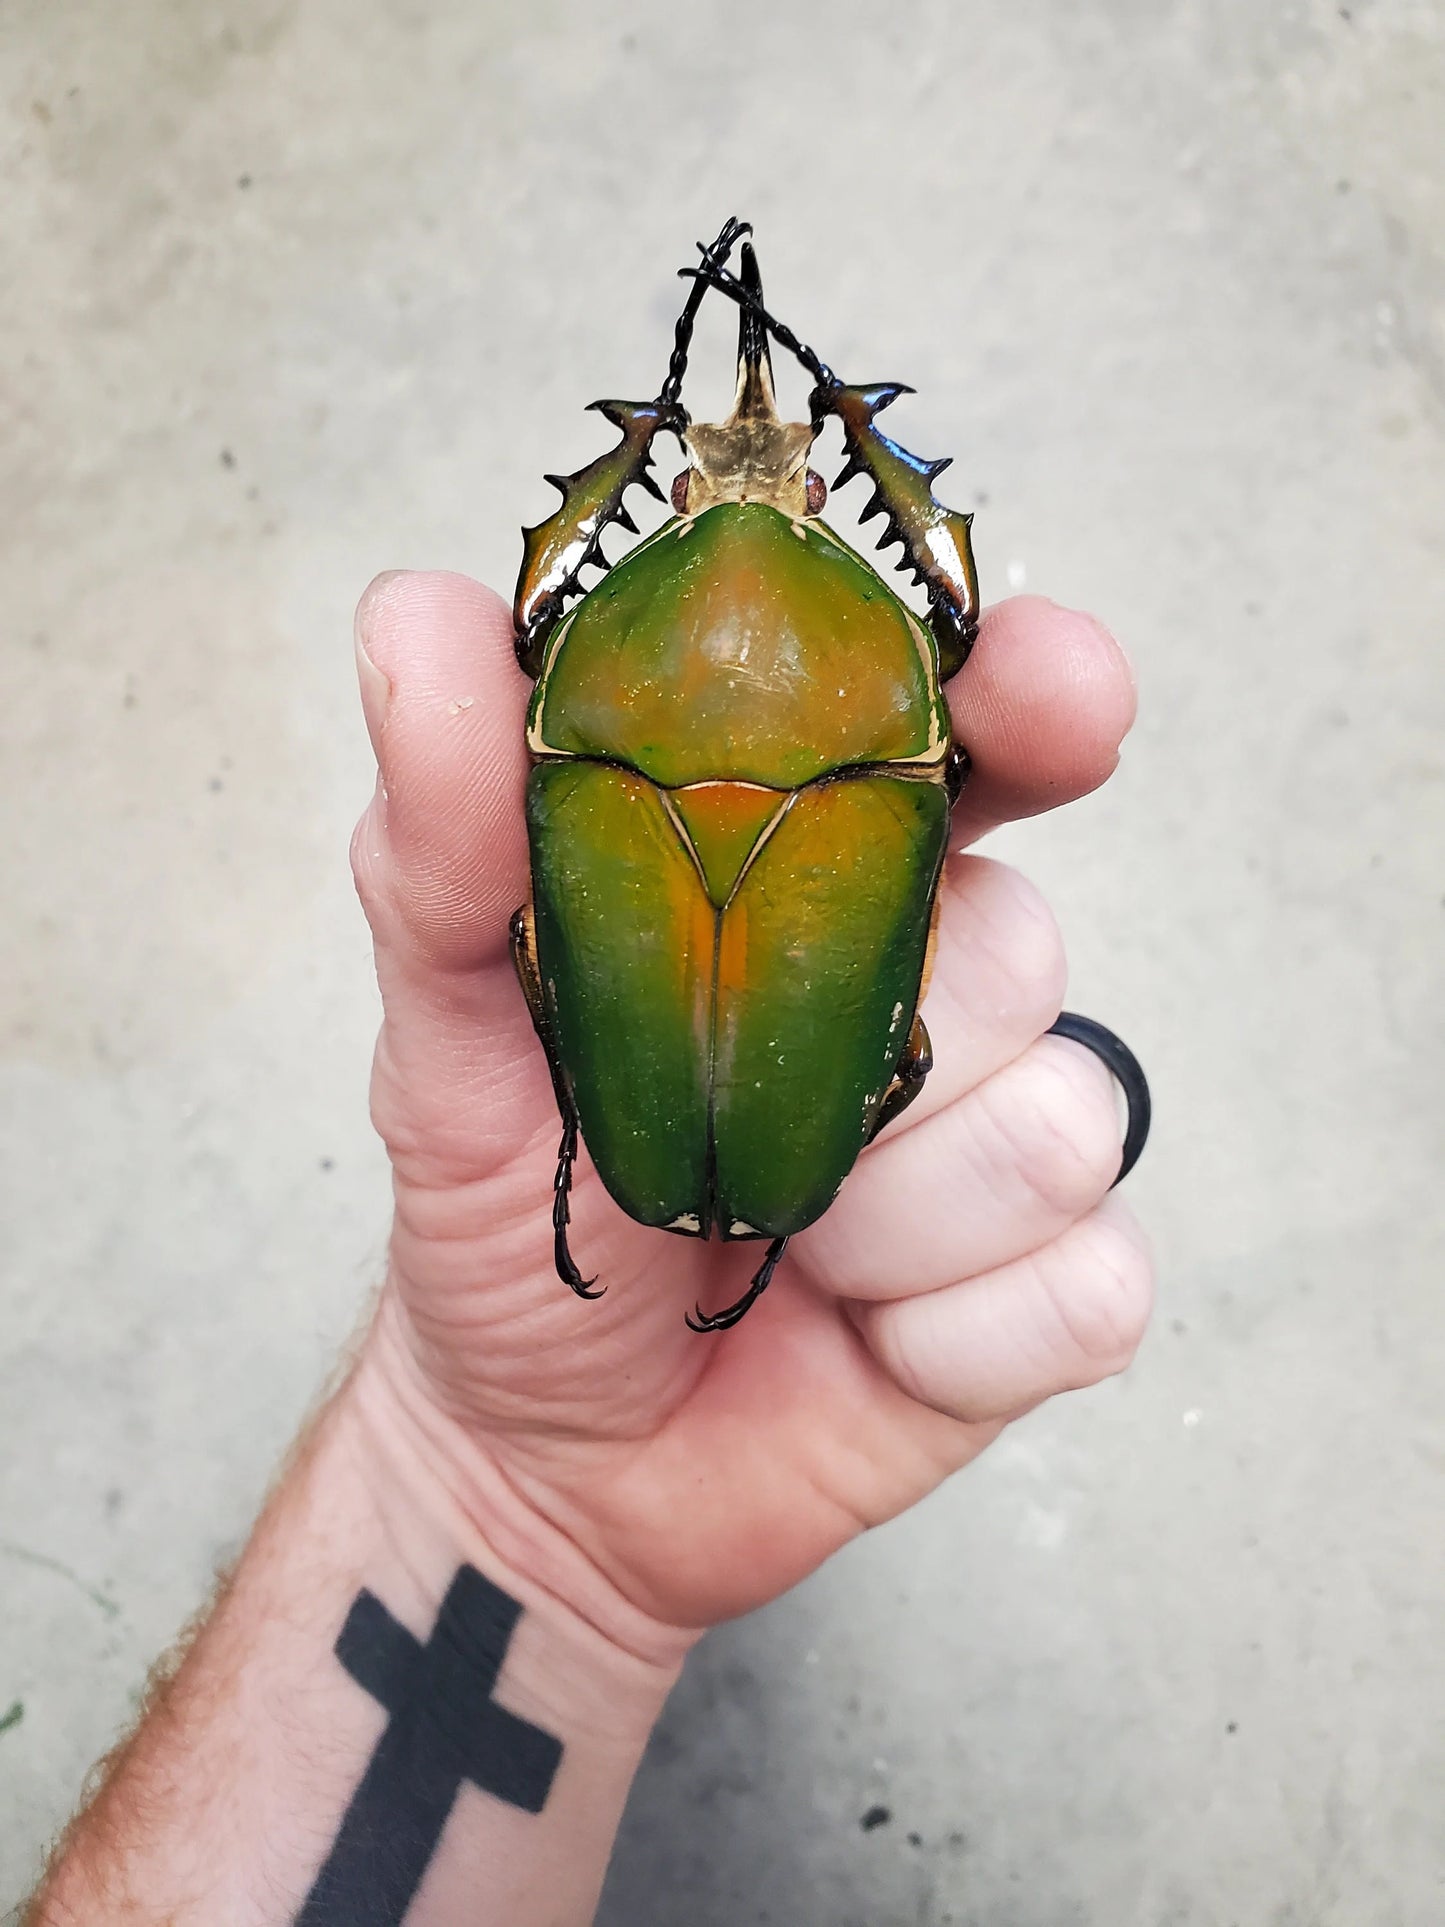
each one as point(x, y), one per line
point(742, 770)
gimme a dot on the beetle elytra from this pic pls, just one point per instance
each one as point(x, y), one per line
point(742, 771)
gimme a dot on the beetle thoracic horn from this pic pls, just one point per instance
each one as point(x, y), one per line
point(753, 456)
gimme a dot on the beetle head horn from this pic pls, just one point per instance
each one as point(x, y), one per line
point(753, 456)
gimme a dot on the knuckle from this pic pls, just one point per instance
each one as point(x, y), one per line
point(368, 867)
point(1102, 1289)
point(1056, 1113)
point(1032, 951)
point(1014, 938)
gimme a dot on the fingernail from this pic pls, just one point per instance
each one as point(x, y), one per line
point(375, 684)
point(375, 695)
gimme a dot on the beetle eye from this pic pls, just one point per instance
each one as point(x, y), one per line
point(679, 491)
point(817, 491)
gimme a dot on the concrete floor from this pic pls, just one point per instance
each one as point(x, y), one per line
point(298, 292)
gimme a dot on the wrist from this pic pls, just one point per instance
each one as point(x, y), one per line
point(406, 1693)
point(443, 1499)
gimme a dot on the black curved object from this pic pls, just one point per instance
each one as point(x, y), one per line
point(1128, 1072)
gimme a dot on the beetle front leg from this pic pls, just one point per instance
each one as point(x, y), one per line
point(524, 959)
point(936, 541)
point(556, 550)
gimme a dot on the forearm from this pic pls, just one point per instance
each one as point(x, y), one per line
point(341, 1736)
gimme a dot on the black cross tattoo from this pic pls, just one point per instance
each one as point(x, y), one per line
point(444, 1728)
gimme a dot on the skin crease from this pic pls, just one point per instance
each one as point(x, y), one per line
point(983, 1266)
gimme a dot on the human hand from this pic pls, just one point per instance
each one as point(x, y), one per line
point(971, 1267)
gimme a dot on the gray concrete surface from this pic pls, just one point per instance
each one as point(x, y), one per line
point(294, 293)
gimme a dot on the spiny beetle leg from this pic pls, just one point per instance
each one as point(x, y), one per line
point(557, 550)
point(524, 961)
point(936, 543)
point(909, 1078)
point(717, 276)
point(722, 1321)
point(713, 258)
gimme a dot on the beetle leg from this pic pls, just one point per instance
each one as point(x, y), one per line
point(524, 958)
point(713, 256)
point(722, 1321)
point(909, 1078)
point(935, 540)
point(916, 1061)
point(562, 1211)
point(556, 550)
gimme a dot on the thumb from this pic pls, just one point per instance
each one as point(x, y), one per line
point(440, 855)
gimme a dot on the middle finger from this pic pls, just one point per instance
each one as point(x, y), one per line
point(998, 981)
point(994, 1175)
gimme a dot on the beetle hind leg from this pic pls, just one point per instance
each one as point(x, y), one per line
point(722, 1321)
point(524, 959)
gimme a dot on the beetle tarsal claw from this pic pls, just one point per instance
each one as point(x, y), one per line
point(721, 1321)
point(562, 1216)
